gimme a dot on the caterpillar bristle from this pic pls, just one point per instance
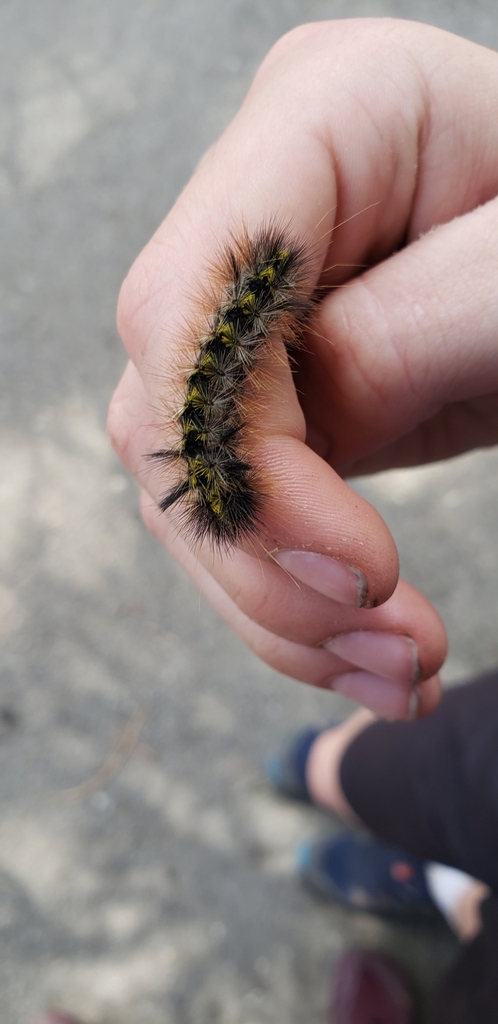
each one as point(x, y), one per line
point(264, 293)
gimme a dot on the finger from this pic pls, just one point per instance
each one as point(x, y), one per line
point(412, 645)
point(410, 343)
point(364, 566)
point(404, 640)
point(458, 427)
point(313, 665)
point(430, 692)
point(129, 426)
point(399, 697)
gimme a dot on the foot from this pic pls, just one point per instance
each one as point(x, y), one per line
point(466, 919)
point(366, 874)
point(459, 897)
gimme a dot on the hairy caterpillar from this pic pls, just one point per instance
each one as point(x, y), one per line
point(264, 295)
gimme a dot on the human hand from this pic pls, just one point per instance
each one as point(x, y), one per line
point(363, 136)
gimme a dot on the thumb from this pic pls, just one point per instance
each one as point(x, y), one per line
point(407, 353)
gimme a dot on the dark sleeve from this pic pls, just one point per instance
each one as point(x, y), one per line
point(431, 786)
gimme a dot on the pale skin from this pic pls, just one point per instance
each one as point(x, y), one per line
point(377, 142)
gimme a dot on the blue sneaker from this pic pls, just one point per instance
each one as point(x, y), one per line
point(286, 771)
point(366, 874)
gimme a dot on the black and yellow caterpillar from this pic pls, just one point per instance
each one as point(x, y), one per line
point(264, 297)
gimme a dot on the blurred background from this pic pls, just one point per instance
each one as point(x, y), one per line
point(146, 872)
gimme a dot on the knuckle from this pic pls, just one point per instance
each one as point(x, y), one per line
point(133, 296)
point(116, 429)
point(292, 40)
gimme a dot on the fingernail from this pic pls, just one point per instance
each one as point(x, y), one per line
point(388, 698)
point(414, 703)
point(386, 654)
point(329, 576)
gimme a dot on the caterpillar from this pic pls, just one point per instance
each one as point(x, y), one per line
point(264, 296)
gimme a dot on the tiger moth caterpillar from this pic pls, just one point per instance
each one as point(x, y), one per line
point(264, 296)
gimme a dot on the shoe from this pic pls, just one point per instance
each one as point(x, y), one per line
point(286, 770)
point(369, 988)
point(366, 874)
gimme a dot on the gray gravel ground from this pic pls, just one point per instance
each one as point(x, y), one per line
point(146, 873)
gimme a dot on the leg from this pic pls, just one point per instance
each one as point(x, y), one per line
point(429, 786)
point(324, 761)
